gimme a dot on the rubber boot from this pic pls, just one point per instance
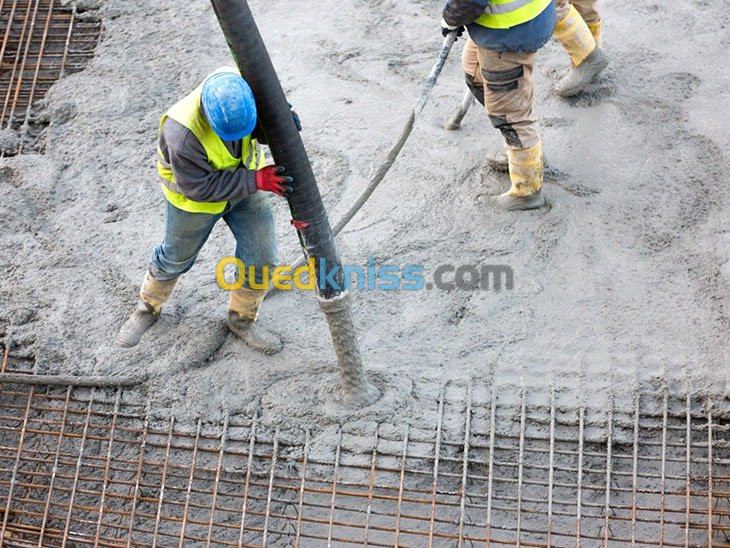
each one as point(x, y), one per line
point(497, 160)
point(152, 295)
point(597, 32)
point(525, 172)
point(588, 59)
point(243, 310)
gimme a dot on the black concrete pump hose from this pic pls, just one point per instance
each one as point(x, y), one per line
point(281, 133)
point(307, 210)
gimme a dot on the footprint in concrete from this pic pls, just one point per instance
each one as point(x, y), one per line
point(679, 85)
point(602, 89)
point(114, 214)
point(10, 176)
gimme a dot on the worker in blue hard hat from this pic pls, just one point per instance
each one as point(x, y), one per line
point(211, 167)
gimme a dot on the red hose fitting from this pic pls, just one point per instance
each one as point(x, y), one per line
point(299, 225)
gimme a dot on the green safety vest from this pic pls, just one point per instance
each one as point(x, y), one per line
point(188, 112)
point(505, 14)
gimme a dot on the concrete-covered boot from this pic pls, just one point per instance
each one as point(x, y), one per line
point(587, 57)
point(526, 173)
point(597, 32)
point(508, 202)
point(497, 161)
point(580, 77)
point(152, 295)
point(243, 311)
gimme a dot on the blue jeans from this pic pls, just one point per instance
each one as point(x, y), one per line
point(250, 220)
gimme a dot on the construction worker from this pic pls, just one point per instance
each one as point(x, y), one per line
point(588, 59)
point(211, 168)
point(498, 60)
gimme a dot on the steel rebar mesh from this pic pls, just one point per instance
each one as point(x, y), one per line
point(81, 467)
point(43, 40)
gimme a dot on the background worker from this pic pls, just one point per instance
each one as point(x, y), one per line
point(500, 53)
point(498, 60)
point(586, 54)
point(211, 168)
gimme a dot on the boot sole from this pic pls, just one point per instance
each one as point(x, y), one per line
point(127, 344)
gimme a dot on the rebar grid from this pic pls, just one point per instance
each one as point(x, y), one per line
point(80, 467)
point(43, 40)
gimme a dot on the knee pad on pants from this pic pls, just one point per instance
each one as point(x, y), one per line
point(503, 82)
point(511, 137)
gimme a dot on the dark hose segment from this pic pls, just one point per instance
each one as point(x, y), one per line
point(282, 135)
point(307, 209)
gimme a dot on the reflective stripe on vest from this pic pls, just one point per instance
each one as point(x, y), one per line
point(504, 14)
point(188, 113)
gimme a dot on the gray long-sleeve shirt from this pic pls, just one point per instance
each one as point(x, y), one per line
point(194, 176)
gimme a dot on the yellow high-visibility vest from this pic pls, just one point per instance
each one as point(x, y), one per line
point(189, 113)
point(504, 14)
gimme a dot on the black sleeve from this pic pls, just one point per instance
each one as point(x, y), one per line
point(463, 12)
point(194, 175)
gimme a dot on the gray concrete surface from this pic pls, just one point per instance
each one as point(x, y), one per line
point(623, 279)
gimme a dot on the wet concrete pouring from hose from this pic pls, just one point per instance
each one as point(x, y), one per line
point(355, 390)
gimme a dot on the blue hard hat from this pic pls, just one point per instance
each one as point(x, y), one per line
point(229, 105)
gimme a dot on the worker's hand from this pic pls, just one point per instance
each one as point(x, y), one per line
point(295, 117)
point(270, 179)
point(447, 29)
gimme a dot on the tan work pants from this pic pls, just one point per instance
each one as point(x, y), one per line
point(505, 79)
point(588, 9)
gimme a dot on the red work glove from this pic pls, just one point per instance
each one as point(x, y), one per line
point(270, 179)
